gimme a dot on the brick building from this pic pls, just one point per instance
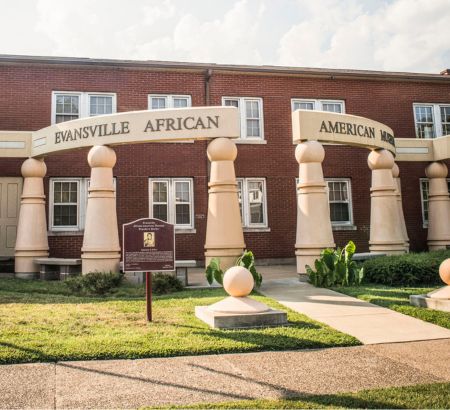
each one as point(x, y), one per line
point(169, 180)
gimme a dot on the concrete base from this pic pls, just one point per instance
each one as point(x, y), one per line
point(430, 303)
point(219, 320)
point(26, 275)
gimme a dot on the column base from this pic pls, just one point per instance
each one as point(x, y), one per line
point(389, 248)
point(227, 257)
point(307, 256)
point(438, 244)
point(104, 262)
point(24, 263)
point(26, 275)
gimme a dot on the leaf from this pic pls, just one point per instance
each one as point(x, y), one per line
point(218, 276)
point(209, 274)
point(328, 260)
point(350, 249)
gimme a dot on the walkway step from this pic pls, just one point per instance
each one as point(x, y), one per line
point(369, 323)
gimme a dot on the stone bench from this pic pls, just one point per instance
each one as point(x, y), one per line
point(58, 268)
point(181, 272)
point(367, 255)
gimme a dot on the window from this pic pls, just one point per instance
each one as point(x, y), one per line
point(318, 105)
point(67, 203)
point(252, 202)
point(70, 105)
point(339, 200)
point(251, 116)
point(424, 198)
point(171, 200)
point(158, 101)
point(431, 120)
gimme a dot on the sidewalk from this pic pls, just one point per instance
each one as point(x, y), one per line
point(185, 380)
point(369, 323)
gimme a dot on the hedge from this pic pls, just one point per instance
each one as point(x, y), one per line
point(406, 270)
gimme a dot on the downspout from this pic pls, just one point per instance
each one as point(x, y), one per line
point(208, 75)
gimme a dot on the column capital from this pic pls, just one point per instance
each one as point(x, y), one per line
point(380, 159)
point(33, 167)
point(222, 149)
point(436, 170)
point(309, 151)
point(101, 156)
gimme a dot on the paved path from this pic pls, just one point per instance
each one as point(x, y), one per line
point(184, 380)
point(369, 323)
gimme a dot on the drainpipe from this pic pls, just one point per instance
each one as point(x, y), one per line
point(208, 75)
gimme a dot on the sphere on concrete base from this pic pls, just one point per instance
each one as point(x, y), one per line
point(444, 271)
point(436, 170)
point(309, 151)
point(238, 281)
point(33, 167)
point(101, 156)
point(380, 159)
point(222, 149)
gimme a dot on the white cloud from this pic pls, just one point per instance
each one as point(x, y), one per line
point(404, 35)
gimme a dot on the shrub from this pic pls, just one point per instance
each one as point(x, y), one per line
point(247, 260)
point(94, 283)
point(164, 283)
point(336, 268)
point(411, 269)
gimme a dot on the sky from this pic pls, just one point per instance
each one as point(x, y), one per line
point(393, 35)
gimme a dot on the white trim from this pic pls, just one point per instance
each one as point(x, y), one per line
point(422, 200)
point(169, 100)
point(437, 119)
point(51, 204)
point(171, 201)
point(83, 102)
point(349, 201)
point(245, 205)
point(412, 150)
point(318, 103)
point(243, 116)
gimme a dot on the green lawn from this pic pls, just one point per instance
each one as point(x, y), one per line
point(40, 321)
point(397, 299)
point(427, 396)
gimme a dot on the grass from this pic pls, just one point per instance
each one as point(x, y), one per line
point(397, 298)
point(425, 396)
point(42, 322)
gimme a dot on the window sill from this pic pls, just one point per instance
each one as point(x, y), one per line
point(256, 229)
point(250, 142)
point(65, 233)
point(344, 227)
point(184, 231)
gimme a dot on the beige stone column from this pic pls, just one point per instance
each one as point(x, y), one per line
point(438, 207)
point(31, 240)
point(101, 249)
point(385, 230)
point(224, 235)
point(314, 231)
point(401, 216)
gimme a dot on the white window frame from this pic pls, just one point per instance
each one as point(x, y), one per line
point(318, 103)
point(437, 119)
point(422, 200)
point(80, 205)
point(350, 201)
point(171, 200)
point(243, 116)
point(169, 100)
point(84, 102)
point(245, 204)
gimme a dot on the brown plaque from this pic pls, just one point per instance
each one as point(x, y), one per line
point(148, 246)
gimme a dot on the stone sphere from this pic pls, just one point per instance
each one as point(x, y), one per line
point(101, 156)
point(222, 149)
point(395, 171)
point(309, 151)
point(380, 159)
point(238, 281)
point(444, 271)
point(436, 170)
point(33, 168)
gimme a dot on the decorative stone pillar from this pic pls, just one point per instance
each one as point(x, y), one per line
point(224, 235)
point(401, 216)
point(438, 207)
point(31, 239)
point(386, 234)
point(314, 231)
point(101, 249)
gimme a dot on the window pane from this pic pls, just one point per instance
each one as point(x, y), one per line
point(65, 215)
point(253, 128)
point(180, 102)
point(339, 212)
point(160, 211)
point(332, 107)
point(232, 103)
point(100, 105)
point(158, 102)
point(303, 105)
point(159, 191)
point(182, 191)
point(445, 119)
point(239, 192)
point(255, 200)
point(182, 214)
point(252, 109)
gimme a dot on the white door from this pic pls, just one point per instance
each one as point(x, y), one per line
point(10, 192)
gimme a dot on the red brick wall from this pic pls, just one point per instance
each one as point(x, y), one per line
point(25, 104)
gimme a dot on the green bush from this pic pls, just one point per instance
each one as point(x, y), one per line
point(336, 268)
point(247, 260)
point(94, 283)
point(164, 283)
point(411, 269)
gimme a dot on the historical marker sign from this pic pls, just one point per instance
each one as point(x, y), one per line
point(148, 246)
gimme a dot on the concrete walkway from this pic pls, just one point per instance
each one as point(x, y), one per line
point(369, 323)
point(201, 379)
